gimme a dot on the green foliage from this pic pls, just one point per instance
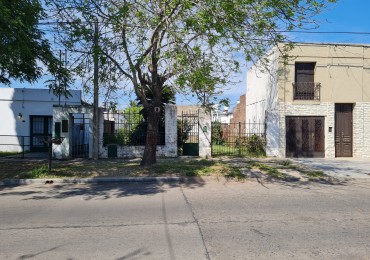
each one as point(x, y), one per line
point(194, 168)
point(194, 46)
point(217, 133)
point(134, 113)
point(38, 172)
point(197, 44)
point(183, 131)
point(133, 130)
point(314, 174)
point(254, 145)
point(271, 171)
point(23, 45)
point(5, 154)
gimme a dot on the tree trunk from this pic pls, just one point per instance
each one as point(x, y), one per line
point(96, 95)
point(152, 136)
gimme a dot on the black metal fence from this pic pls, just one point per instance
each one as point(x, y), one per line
point(306, 90)
point(238, 139)
point(129, 129)
point(20, 144)
point(80, 136)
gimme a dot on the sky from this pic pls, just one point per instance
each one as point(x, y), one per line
point(343, 16)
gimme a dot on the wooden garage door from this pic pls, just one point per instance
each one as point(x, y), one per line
point(305, 136)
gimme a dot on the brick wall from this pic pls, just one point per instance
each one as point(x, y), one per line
point(239, 112)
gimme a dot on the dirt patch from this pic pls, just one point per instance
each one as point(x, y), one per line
point(82, 168)
point(263, 170)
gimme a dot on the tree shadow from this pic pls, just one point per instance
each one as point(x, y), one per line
point(334, 165)
point(100, 191)
point(278, 174)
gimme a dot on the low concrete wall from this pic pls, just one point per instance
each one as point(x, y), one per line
point(167, 150)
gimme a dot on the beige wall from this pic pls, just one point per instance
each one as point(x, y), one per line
point(342, 70)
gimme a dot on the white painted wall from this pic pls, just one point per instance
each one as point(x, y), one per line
point(28, 102)
point(205, 135)
point(262, 101)
point(64, 150)
point(262, 90)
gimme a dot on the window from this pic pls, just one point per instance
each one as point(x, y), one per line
point(304, 72)
point(305, 87)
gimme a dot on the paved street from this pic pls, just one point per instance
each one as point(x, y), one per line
point(198, 220)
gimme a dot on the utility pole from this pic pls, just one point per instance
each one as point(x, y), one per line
point(65, 83)
point(96, 94)
point(204, 87)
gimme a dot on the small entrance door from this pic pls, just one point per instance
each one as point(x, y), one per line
point(41, 127)
point(80, 135)
point(305, 136)
point(190, 133)
point(343, 130)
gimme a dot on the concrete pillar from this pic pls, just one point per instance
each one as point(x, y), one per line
point(62, 151)
point(171, 131)
point(205, 145)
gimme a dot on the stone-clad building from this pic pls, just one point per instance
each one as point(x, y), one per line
point(317, 105)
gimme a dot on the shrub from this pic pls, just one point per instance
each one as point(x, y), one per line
point(256, 145)
point(217, 133)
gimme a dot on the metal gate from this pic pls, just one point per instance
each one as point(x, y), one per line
point(80, 135)
point(41, 128)
point(238, 139)
point(188, 139)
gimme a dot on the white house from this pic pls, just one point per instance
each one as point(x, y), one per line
point(27, 117)
point(315, 105)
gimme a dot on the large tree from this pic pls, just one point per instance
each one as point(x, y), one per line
point(191, 45)
point(24, 49)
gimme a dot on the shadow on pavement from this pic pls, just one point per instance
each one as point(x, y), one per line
point(101, 191)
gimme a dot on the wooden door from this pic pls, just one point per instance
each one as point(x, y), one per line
point(343, 130)
point(305, 136)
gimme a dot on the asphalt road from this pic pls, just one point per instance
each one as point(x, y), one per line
point(199, 220)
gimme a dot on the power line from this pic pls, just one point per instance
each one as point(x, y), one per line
point(276, 31)
point(327, 32)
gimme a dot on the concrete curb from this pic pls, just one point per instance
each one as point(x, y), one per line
point(14, 182)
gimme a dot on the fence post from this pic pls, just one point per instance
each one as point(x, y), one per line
point(240, 140)
point(22, 147)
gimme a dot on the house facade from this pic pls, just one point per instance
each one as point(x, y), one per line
point(315, 105)
point(27, 117)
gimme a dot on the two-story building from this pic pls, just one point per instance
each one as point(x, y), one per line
point(315, 105)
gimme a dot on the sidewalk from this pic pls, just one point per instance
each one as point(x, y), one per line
point(349, 168)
